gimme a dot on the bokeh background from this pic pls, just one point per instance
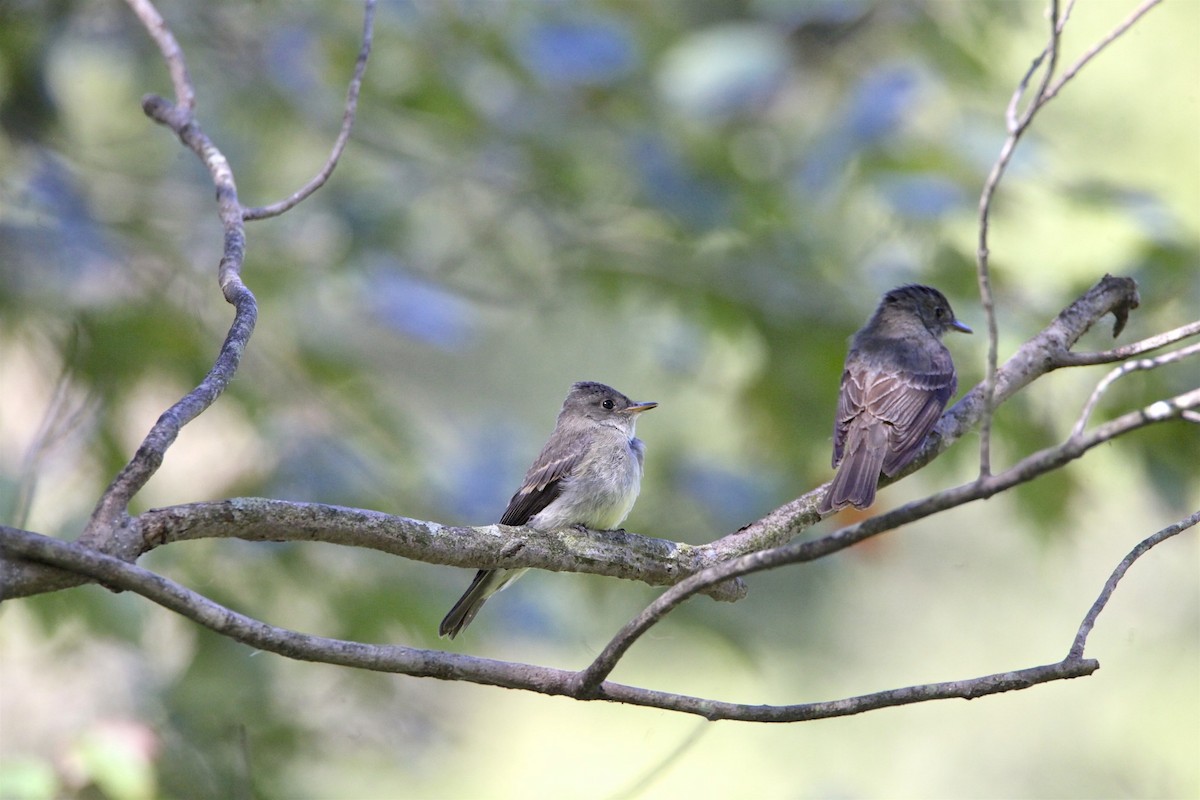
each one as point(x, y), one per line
point(694, 202)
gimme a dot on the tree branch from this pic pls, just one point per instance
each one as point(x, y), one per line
point(172, 53)
point(1025, 470)
point(339, 145)
point(1089, 620)
point(544, 680)
point(618, 554)
point(1146, 345)
point(453, 666)
point(111, 511)
point(1125, 369)
point(1017, 126)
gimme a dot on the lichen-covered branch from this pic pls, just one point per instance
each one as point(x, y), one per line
point(452, 666)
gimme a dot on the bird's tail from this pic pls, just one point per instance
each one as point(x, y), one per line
point(487, 582)
point(858, 474)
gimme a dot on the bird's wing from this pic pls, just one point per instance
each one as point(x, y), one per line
point(849, 405)
point(910, 402)
point(544, 481)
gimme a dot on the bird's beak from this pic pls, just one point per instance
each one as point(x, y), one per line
point(961, 327)
point(638, 408)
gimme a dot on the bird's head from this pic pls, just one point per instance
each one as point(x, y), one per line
point(926, 304)
point(603, 404)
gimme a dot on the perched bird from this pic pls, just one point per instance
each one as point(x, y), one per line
point(589, 473)
point(896, 383)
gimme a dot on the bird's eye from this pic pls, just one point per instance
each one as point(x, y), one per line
point(608, 405)
point(939, 312)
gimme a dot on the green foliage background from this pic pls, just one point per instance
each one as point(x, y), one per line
point(694, 202)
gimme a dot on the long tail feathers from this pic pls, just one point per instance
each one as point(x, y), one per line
point(858, 474)
point(486, 583)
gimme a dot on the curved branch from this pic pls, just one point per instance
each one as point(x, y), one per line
point(1126, 368)
point(1130, 350)
point(544, 680)
point(1089, 620)
point(339, 145)
point(110, 512)
point(108, 526)
point(172, 53)
point(618, 554)
point(203, 611)
point(452, 666)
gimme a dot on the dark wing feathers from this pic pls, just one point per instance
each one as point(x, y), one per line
point(850, 401)
point(909, 403)
point(543, 482)
point(893, 392)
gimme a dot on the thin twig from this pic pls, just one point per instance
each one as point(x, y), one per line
point(339, 145)
point(1126, 368)
point(655, 773)
point(1016, 127)
point(1093, 51)
point(59, 419)
point(1017, 124)
point(1066, 15)
point(1089, 620)
point(172, 53)
point(1069, 359)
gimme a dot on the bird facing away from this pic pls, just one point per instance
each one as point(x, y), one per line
point(589, 473)
point(896, 382)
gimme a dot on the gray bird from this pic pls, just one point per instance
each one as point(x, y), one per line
point(589, 473)
point(896, 382)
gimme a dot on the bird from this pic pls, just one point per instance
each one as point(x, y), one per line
point(588, 474)
point(896, 382)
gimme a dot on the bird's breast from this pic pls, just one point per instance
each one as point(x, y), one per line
point(601, 492)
